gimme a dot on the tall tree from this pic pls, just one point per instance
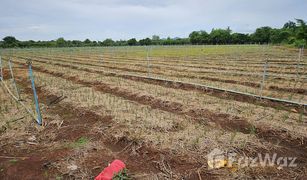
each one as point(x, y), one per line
point(239, 38)
point(10, 42)
point(220, 36)
point(302, 29)
point(195, 37)
point(262, 35)
point(155, 40)
point(60, 42)
point(145, 42)
point(204, 37)
point(279, 36)
point(290, 25)
point(132, 42)
point(108, 42)
point(87, 42)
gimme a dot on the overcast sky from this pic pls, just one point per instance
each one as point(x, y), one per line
point(124, 19)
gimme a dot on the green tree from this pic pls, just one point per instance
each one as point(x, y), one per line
point(220, 36)
point(301, 30)
point(294, 33)
point(60, 42)
point(121, 43)
point(108, 42)
point(87, 42)
point(239, 38)
point(279, 36)
point(10, 42)
point(199, 37)
point(290, 25)
point(132, 42)
point(195, 37)
point(76, 43)
point(145, 42)
point(155, 40)
point(262, 35)
point(204, 37)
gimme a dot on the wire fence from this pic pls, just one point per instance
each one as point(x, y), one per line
point(17, 95)
point(262, 71)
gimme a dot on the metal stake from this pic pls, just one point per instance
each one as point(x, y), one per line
point(298, 63)
point(264, 76)
point(1, 74)
point(39, 117)
point(102, 50)
point(13, 79)
point(148, 64)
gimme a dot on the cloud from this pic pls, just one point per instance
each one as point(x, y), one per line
point(123, 19)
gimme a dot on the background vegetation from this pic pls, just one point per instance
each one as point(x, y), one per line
point(292, 33)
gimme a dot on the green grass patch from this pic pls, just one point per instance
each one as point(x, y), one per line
point(81, 142)
point(122, 175)
point(58, 177)
point(13, 161)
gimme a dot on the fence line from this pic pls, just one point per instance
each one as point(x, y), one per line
point(17, 99)
point(255, 94)
point(1, 74)
point(13, 79)
point(265, 66)
point(214, 88)
point(148, 61)
point(208, 87)
point(39, 116)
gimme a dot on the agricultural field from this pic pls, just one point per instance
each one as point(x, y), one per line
point(160, 109)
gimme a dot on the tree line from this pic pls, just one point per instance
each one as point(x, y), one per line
point(292, 33)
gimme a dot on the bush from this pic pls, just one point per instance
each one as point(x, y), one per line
point(300, 43)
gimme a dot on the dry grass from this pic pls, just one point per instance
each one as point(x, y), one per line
point(178, 134)
point(258, 115)
point(142, 123)
point(184, 75)
point(15, 122)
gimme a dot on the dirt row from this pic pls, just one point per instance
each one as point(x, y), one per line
point(295, 146)
point(195, 69)
point(181, 165)
point(177, 85)
point(40, 162)
point(209, 70)
point(188, 64)
point(252, 59)
point(296, 90)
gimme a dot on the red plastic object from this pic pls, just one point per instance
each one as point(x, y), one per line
point(115, 167)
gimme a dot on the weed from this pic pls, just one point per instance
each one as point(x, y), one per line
point(81, 142)
point(233, 135)
point(13, 161)
point(285, 116)
point(58, 177)
point(252, 130)
point(46, 174)
point(300, 117)
point(122, 175)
